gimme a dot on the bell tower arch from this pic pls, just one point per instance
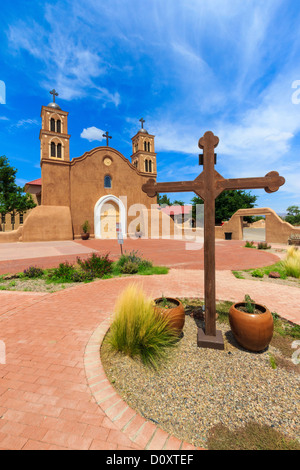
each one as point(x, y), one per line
point(143, 153)
point(54, 135)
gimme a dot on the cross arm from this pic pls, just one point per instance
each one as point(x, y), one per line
point(151, 188)
point(270, 183)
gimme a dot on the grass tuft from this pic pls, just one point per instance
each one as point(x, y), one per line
point(137, 331)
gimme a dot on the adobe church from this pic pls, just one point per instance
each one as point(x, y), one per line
point(98, 187)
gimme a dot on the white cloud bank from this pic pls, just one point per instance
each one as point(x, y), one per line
point(92, 133)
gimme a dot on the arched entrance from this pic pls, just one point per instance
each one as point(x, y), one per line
point(109, 211)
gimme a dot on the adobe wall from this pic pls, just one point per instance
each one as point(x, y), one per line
point(277, 230)
point(48, 223)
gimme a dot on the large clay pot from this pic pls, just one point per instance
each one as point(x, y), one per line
point(251, 330)
point(85, 236)
point(175, 315)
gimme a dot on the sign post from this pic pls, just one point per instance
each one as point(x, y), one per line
point(120, 236)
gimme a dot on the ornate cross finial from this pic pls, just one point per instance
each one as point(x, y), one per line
point(142, 120)
point(54, 93)
point(107, 137)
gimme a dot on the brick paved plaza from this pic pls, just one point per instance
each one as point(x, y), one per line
point(53, 391)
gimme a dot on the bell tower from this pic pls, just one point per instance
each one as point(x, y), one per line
point(143, 154)
point(54, 135)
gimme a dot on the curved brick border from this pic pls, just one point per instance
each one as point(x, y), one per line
point(140, 431)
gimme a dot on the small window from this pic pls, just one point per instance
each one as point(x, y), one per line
point(146, 165)
point(21, 218)
point(107, 181)
point(148, 146)
point(52, 125)
point(150, 166)
point(3, 218)
point(145, 146)
point(53, 149)
point(58, 126)
point(58, 150)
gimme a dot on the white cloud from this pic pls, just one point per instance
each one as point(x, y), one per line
point(92, 133)
point(27, 123)
point(4, 118)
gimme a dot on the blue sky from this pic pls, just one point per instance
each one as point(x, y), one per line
point(186, 66)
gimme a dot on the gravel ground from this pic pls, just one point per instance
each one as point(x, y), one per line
point(33, 285)
point(199, 388)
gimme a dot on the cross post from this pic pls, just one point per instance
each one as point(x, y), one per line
point(142, 120)
point(54, 93)
point(208, 185)
point(107, 136)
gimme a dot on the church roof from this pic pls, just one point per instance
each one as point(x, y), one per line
point(37, 182)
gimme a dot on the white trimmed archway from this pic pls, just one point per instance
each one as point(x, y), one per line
point(98, 209)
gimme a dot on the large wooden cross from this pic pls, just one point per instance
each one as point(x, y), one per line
point(208, 185)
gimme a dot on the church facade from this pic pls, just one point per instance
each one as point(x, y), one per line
point(99, 187)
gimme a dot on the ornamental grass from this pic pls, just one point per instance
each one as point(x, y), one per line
point(137, 331)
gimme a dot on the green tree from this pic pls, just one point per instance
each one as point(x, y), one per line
point(13, 199)
point(227, 203)
point(293, 215)
point(163, 200)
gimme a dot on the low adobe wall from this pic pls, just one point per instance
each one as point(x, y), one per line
point(277, 230)
point(48, 223)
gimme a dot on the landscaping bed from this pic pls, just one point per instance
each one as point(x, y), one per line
point(285, 271)
point(200, 395)
point(66, 275)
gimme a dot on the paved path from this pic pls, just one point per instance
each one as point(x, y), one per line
point(46, 401)
point(14, 257)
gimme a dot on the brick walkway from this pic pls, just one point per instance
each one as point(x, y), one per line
point(52, 380)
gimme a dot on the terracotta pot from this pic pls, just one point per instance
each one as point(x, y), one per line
point(175, 315)
point(252, 331)
point(85, 236)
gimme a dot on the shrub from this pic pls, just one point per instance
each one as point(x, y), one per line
point(257, 273)
point(96, 264)
point(137, 331)
point(250, 245)
point(129, 267)
point(33, 272)
point(132, 256)
point(64, 273)
point(263, 246)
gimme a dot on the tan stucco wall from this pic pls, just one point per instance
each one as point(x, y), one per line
point(277, 230)
point(47, 223)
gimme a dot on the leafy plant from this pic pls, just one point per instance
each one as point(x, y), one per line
point(33, 272)
point(137, 331)
point(86, 227)
point(96, 264)
point(249, 304)
point(263, 246)
point(129, 267)
point(257, 273)
point(249, 244)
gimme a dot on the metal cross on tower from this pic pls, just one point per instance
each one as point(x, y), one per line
point(107, 137)
point(142, 120)
point(54, 93)
point(208, 185)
